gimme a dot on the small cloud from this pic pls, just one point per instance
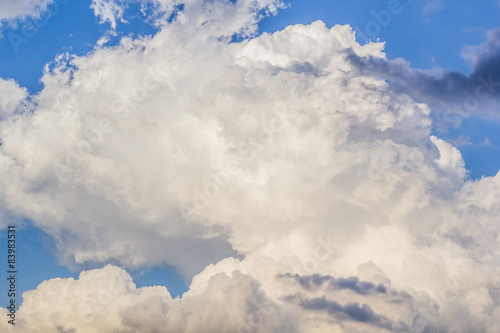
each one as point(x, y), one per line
point(103, 40)
point(109, 11)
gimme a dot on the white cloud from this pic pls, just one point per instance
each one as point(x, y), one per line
point(108, 11)
point(222, 18)
point(184, 149)
point(11, 10)
point(12, 97)
point(107, 300)
point(450, 159)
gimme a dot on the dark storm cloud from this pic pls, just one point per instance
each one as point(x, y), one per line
point(445, 90)
point(486, 57)
point(310, 282)
point(361, 313)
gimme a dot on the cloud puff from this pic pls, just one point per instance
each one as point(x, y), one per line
point(240, 164)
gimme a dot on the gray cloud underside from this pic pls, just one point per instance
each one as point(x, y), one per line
point(447, 91)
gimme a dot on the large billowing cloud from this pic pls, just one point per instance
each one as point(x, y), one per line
point(296, 193)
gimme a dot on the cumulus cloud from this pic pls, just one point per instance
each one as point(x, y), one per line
point(107, 300)
point(294, 191)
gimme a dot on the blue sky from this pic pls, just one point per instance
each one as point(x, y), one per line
point(428, 34)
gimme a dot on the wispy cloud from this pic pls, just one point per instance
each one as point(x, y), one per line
point(12, 11)
point(432, 6)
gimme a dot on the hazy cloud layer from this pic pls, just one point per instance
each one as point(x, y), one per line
point(298, 193)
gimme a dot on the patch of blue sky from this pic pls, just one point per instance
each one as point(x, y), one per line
point(36, 262)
